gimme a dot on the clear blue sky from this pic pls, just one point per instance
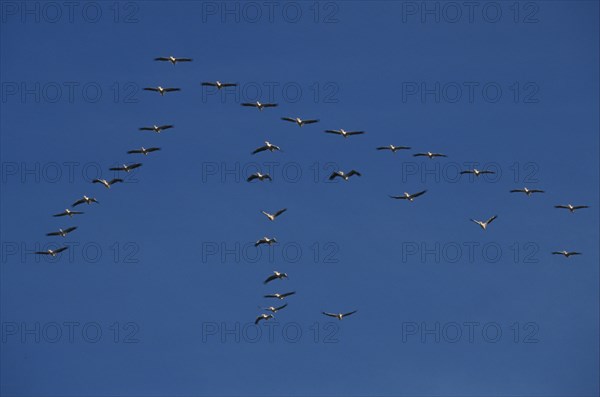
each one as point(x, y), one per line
point(165, 270)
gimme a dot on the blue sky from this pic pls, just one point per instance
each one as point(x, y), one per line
point(167, 258)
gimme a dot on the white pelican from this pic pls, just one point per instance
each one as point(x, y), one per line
point(299, 121)
point(263, 317)
point(393, 148)
point(477, 172)
point(260, 106)
point(429, 154)
point(219, 85)
point(273, 309)
point(566, 254)
point(61, 232)
point(276, 275)
point(266, 240)
point(143, 150)
point(106, 183)
point(339, 316)
point(344, 133)
point(528, 192)
point(486, 223)
point(157, 128)
point(85, 199)
point(259, 176)
point(280, 296)
point(571, 208)
point(268, 146)
point(173, 60)
point(341, 174)
point(275, 215)
point(126, 168)
point(68, 212)
point(52, 252)
point(161, 90)
point(409, 197)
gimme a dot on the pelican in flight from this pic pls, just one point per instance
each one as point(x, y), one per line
point(61, 232)
point(528, 192)
point(266, 240)
point(52, 252)
point(268, 146)
point(571, 208)
point(408, 196)
point(429, 154)
point(161, 90)
point(85, 199)
point(273, 309)
point(339, 316)
point(344, 133)
point(157, 128)
point(341, 174)
point(218, 84)
point(106, 183)
point(566, 254)
point(275, 215)
point(126, 168)
point(260, 106)
point(485, 224)
point(299, 121)
point(476, 172)
point(263, 317)
point(259, 176)
point(143, 150)
point(393, 148)
point(280, 296)
point(68, 212)
point(276, 275)
point(173, 60)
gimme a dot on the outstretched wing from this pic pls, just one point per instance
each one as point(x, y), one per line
point(171, 89)
point(76, 203)
point(330, 314)
point(252, 177)
point(353, 172)
point(418, 194)
point(260, 149)
point(288, 294)
point(280, 307)
point(355, 132)
point(349, 313)
point(491, 219)
point(280, 212)
point(151, 89)
point(288, 119)
point(269, 279)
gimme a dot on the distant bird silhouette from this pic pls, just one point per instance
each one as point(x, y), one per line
point(173, 60)
point(485, 224)
point(107, 184)
point(339, 316)
point(61, 232)
point(408, 196)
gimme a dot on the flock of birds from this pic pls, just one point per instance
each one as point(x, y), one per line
point(276, 275)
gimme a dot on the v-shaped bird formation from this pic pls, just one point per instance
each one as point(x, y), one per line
point(276, 278)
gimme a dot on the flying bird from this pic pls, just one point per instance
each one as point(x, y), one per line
point(528, 192)
point(275, 215)
point(126, 168)
point(61, 232)
point(106, 183)
point(265, 240)
point(143, 150)
point(173, 60)
point(276, 275)
point(341, 174)
point(299, 121)
point(259, 176)
point(571, 208)
point(68, 212)
point(86, 200)
point(429, 154)
point(52, 252)
point(268, 146)
point(339, 316)
point(476, 172)
point(273, 309)
point(161, 90)
point(566, 254)
point(280, 296)
point(486, 223)
point(157, 128)
point(408, 196)
point(344, 133)
point(393, 148)
point(263, 317)
point(260, 106)
point(218, 84)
